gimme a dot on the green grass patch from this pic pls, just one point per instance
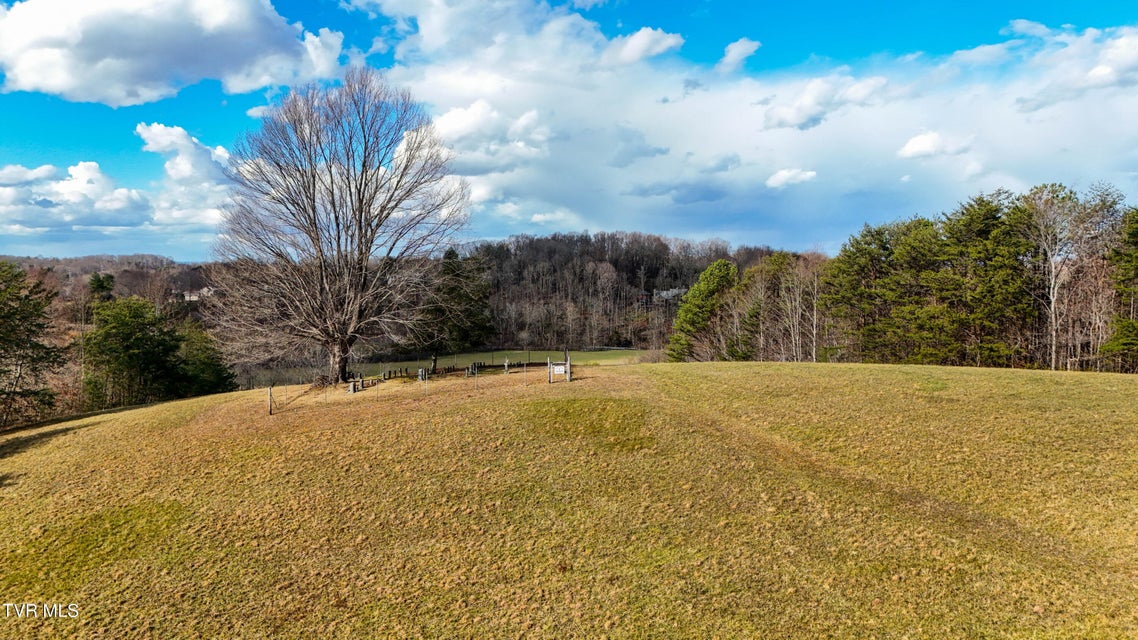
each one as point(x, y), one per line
point(613, 424)
point(305, 375)
point(516, 357)
point(58, 558)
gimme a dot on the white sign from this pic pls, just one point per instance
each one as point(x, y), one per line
point(558, 369)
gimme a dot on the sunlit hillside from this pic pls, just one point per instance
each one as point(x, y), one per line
point(729, 500)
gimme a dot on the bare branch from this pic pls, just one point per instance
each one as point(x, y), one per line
point(341, 202)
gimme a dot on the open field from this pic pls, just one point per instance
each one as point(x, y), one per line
point(581, 358)
point(290, 375)
point(719, 500)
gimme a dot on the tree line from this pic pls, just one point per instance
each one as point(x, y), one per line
point(581, 290)
point(94, 349)
point(1042, 279)
point(100, 332)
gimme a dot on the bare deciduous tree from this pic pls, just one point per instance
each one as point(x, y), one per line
point(1091, 297)
point(339, 202)
point(1051, 215)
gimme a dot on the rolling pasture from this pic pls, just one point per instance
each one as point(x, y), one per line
point(700, 500)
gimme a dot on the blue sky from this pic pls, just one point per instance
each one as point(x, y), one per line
point(787, 124)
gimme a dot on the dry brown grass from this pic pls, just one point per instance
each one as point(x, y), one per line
point(649, 501)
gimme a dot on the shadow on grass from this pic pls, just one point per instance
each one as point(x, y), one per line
point(71, 418)
point(283, 401)
point(19, 444)
point(7, 480)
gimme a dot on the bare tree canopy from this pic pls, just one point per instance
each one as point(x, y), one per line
point(339, 203)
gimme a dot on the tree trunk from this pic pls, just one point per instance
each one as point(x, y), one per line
point(338, 353)
point(1053, 320)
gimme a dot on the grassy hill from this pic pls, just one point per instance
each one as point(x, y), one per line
point(729, 500)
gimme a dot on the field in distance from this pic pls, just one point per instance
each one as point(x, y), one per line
point(290, 375)
point(518, 356)
point(731, 500)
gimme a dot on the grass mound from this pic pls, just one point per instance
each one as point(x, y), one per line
point(650, 501)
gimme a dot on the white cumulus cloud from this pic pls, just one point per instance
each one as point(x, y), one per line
point(462, 122)
point(819, 97)
point(42, 199)
point(195, 188)
point(487, 141)
point(15, 175)
point(645, 43)
point(125, 52)
point(561, 218)
point(986, 54)
point(736, 53)
point(1027, 28)
point(931, 143)
point(785, 177)
point(45, 200)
